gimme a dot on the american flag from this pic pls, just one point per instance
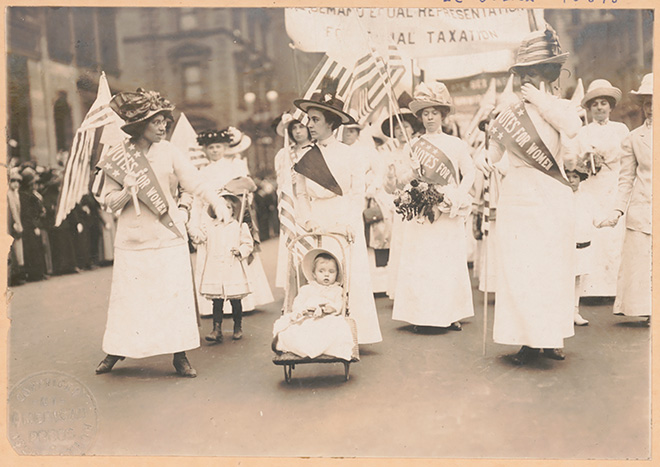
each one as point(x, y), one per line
point(87, 144)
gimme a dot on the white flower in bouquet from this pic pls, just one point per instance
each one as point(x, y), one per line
point(423, 186)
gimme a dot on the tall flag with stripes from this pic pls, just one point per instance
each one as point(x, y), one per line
point(374, 78)
point(85, 151)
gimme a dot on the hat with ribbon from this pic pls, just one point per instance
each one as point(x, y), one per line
point(326, 99)
point(537, 48)
point(308, 264)
point(239, 141)
point(138, 106)
point(645, 89)
point(601, 88)
point(281, 124)
point(405, 115)
point(435, 94)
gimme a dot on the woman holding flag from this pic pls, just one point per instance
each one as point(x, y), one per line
point(433, 284)
point(152, 304)
point(535, 220)
point(330, 193)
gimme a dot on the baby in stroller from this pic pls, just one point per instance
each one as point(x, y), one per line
point(316, 325)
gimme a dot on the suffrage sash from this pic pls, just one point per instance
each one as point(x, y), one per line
point(313, 166)
point(125, 158)
point(514, 129)
point(434, 165)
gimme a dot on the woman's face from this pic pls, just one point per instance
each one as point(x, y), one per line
point(319, 128)
point(215, 151)
point(530, 75)
point(647, 106)
point(155, 130)
point(401, 132)
point(600, 109)
point(350, 135)
point(299, 132)
point(432, 119)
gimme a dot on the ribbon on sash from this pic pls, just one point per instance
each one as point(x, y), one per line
point(434, 165)
point(514, 129)
point(125, 158)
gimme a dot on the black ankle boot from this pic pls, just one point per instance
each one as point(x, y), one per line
point(238, 331)
point(525, 355)
point(107, 363)
point(216, 334)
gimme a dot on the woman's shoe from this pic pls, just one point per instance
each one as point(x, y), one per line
point(555, 354)
point(216, 334)
point(456, 326)
point(107, 363)
point(525, 355)
point(183, 366)
point(579, 320)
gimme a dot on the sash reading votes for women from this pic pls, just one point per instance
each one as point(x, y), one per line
point(125, 158)
point(434, 165)
point(514, 129)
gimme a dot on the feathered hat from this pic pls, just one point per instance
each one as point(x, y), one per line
point(325, 98)
point(138, 106)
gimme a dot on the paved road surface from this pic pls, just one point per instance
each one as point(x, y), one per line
point(413, 395)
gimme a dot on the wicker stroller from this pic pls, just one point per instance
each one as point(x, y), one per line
point(295, 280)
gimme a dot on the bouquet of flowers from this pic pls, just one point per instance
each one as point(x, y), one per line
point(419, 200)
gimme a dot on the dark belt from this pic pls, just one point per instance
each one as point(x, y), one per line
point(579, 246)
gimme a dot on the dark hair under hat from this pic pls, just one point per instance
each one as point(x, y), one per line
point(325, 99)
point(139, 106)
point(539, 47)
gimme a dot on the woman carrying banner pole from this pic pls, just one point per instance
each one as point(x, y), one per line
point(535, 239)
point(152, 301)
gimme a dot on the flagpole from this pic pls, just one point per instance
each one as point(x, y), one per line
point(485, 225)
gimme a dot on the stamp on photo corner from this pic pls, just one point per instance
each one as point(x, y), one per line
point(51, 413)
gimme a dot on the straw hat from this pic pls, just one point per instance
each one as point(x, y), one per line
point(431, 95)
point(355, 125)
point(405, 115)
point(281, 124)
point(645, 89)
point(139, 106)
point(239, 141)
point(601, 88)
point(325, 99)
point(537, 48)
point(308, 264)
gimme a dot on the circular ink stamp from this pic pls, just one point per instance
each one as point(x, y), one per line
point(51, 413)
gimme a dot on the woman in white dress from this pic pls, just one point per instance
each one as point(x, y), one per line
point(334, 201)
point(223, 149)
point(152, 308)
point(634, 199)
point(602, 139)
point(402, 128)
point(433, 283)
point(296, 141)
point(535, 217)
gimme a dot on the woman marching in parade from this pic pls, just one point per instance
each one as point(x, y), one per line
point(535, 237)
point(331, 197)
point(433, 283)
point(634, 199)
point(601, 139)
point(152, 304)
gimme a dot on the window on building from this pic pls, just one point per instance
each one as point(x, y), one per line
point(85, 36)
point(107, 30)
point(187, 19)
point(63, 122)
point(24, 31)
point(192, 82)
point(58, 34)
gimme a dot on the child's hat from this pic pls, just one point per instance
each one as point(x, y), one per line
point(308, 264)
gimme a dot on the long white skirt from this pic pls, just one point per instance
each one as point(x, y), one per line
point(152, 309)
point(433, 283)
point(395, 254)
point(634, 286)
point(535, 261)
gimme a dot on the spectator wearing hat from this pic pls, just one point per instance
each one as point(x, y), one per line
point(330, 193)
point(32, 216)
point(223, 148)
point(433, 283)
point(634, 200)
point(535, 215)
point(602, 138)
point(401, 127)
point(152, 306)
point(297, 140)
point(15, 229)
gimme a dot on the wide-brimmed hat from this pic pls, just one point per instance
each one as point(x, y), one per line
point(282, 123)
point(308, 264)
point(239, 141)
point(355, 125)
point(326, 99)
point(206, 138)
point(138, 106)
point(601, 88)
point(431, 95)
point(405, 114)
point(645, 89)
point(240, 185)
point(537, 48)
